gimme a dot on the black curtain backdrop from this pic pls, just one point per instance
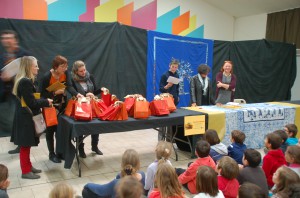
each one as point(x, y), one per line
point(115, 54)
point(265, 70)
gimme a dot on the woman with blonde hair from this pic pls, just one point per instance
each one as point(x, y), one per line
point(62, 190)
point(129, 167)
point(23, 133)
point(166, 183)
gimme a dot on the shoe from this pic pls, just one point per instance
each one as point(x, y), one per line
point(15, 151)
point(97, 151)
point(30, 175)
point(82, 153)
point(34, 170)
point(54, 158)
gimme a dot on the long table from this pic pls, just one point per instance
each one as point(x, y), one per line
point(69, 129)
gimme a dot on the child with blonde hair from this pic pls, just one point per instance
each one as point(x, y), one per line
point(166, 182)
point(4, 182)
point(292, 156)
point(129, 187)
point(163, 152)
point(207, 183)
point(228, 170)
point(62, 190)
point(130, 166)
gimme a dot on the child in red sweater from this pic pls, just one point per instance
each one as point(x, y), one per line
point(274, 158)
point(228, 170)
point(189, 176)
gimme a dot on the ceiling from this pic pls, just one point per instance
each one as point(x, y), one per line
point(242, 8)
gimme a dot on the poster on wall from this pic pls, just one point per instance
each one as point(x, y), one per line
point(190, 52)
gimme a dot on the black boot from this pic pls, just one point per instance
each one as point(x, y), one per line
point(81, 151)
point(54, 158)
point(15, 151)
point(96, 150)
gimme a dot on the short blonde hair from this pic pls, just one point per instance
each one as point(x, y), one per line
point(62, 190)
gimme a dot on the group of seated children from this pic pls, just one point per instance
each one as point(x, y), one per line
point(218, 171)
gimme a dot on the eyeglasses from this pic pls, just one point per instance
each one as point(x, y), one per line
point(63, 66)
point(7, 37)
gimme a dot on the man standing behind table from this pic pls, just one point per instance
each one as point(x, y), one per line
point(12, 51)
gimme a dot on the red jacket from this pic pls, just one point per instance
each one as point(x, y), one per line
point(189, 176)
point(271, 162)
point(229, 188)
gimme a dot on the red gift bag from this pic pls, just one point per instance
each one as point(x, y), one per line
point(96, 110)
point(170, 103)
point(113, 115)
point(69, 111)
point(83, 110)
point(105, 114)
point(141, 109)
point(50, 116)
point(122, 114)
point(159, 108)
point(102, 105)
point(106, 98)
point(129, 103)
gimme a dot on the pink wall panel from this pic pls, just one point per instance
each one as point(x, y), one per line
point(145, 17)
point(11, 9)
point(89, 15)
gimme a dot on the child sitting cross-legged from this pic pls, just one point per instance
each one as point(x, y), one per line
point(188, 177)
point(217, 149)
point(274, 158)
point(236, 149)
point(251, 172)
point(228, 170)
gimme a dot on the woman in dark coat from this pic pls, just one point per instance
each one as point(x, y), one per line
point(201, 89)
point(84, 83)
point(57, 73)
point(23, 128)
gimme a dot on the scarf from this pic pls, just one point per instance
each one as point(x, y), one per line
point(204, 88)
point(86, 79)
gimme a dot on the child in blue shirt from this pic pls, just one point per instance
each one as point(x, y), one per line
point(237, 148)
point(291, 130)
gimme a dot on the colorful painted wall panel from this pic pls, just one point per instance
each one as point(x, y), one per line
point(145, 17)
point(89, 15)
point(124, 14)
point(171, 22)
point(107, 12)
point(164, 22)
point(66, 10)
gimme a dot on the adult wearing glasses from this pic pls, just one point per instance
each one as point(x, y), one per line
point(84, 83)
point(226, 82)
point(58, 73)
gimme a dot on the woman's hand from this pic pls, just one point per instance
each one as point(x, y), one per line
point(91, 95)
point(59, 91)
point(79, 95)
point(194, 104)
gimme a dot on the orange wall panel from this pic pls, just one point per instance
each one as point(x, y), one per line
point(124, 14)
point(35, 9)
point(181, 23)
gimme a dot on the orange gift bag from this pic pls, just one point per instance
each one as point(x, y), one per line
point(50, 116)
point(141, 109)
point(69, 111)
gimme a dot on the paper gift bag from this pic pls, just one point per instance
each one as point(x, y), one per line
point(96, 110)
point(69, 111)
point(83, 111)
point(170, 103)
point(106, 98)
point(102, 105)
point(129, 103)
point(141, 109)
point(105, 114)
point(50, 116)
point(159, 108)
point(122, 114)
point(114, 113)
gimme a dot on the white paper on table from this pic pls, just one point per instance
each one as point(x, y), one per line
point(173, 80)
point(11, 69)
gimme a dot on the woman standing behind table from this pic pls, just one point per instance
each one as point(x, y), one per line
point(84, 83)
point(23, 128)
point(57, 73)
point(226, 82)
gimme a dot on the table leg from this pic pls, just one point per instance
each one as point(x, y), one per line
point(77, 157)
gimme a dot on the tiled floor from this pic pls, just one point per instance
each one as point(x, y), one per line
point(97, 169)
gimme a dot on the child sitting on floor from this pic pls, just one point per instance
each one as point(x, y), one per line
point(130, 166)
point(188, 176)
point(249, 190)
point(129, 186)
point(217, 149)
point(274, 158)
point(284, 137)
point(166, 182)
point(292, 156)
point(251, 172)
point(163, 152)
point(4, 182)
point(207, 183)
point(291, 130)
point(228, 170)
point(62, 190)
point(237, 148)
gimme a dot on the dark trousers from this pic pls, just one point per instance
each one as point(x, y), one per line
point(50, 138)
point(94, 143)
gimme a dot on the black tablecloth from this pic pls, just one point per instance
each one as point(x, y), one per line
point(69, 128)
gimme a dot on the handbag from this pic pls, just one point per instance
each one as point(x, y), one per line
point(39, 124)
